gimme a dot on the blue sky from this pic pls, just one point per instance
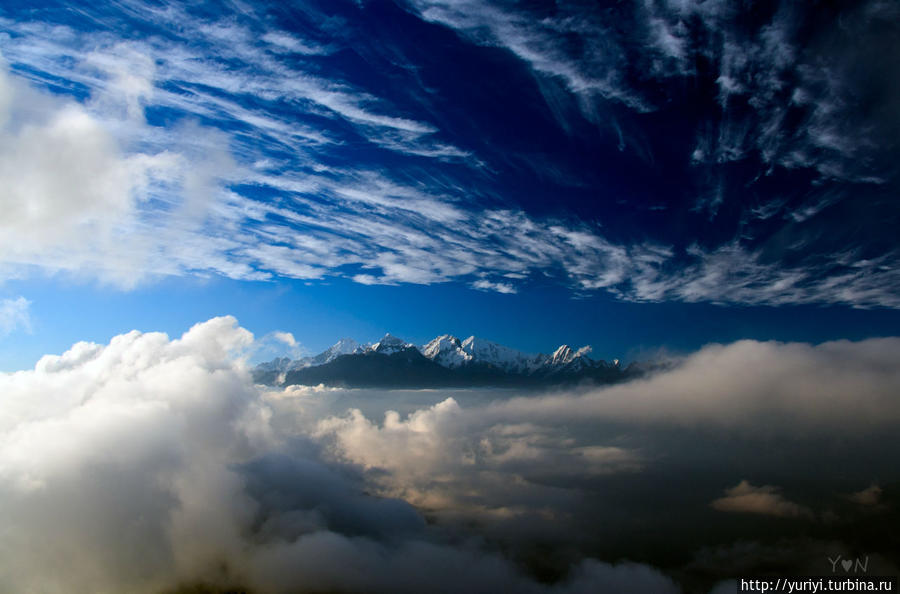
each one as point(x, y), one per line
point(630, 175)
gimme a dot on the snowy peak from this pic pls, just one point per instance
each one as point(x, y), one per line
point(390, 344)
point(277, 365)
point(562, 355)
point(505, 358)
point(447, 351)
point(565, 355)
point(345, 346)
point(444, 361)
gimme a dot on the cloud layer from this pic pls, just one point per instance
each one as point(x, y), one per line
point(150, 463)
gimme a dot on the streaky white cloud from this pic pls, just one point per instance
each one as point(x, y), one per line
point(187, 79)
point(15, 314)
point(486, 285)
point(124, 200)
point(283, 41)
point(597, 73)
point(125, 209)
point(731, 273)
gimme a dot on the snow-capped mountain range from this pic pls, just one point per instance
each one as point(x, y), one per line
point(448, 351)
point(445, 360)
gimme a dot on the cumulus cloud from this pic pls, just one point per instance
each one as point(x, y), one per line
point(285, 337)
point(150, 463)
point(114, 461)
point(445, 457)
point(765, 500)
point(870, 496)
point(153, 462)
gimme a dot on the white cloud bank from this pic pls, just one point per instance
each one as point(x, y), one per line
point(849, 388)
point(151, 462)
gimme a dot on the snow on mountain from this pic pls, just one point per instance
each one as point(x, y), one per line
point(447, 351)
point(345, 346)
point(277, 365)
point(390, 344)
point(505, 358)
point(562, 356)
point(451, 353)
point(565, 355)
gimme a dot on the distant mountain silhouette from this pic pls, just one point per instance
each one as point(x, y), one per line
point(444, 362)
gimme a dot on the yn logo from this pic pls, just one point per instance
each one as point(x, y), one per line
point(857, 565)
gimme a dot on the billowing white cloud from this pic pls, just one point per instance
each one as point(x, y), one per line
point(285, 337)
point(447, 456)
point(115, 461)
point(151, 463)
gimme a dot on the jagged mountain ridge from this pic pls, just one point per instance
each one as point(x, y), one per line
point(444, 361)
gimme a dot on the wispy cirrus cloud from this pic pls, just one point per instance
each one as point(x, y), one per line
point(14, 315)
point(218, 145)
point(595, 70)
point(771, 69)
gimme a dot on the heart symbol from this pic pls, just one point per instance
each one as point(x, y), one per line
point(846, 563)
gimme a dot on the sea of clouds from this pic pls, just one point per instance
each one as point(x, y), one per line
point(151, 464)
